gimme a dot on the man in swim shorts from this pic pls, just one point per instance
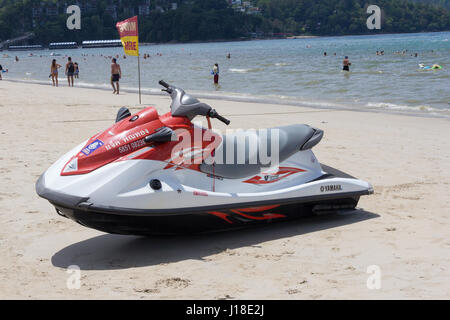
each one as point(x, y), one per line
point(346, 64)
point(116, 74)
point(70, 70)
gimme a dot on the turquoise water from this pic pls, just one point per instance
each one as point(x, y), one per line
point(290, 71)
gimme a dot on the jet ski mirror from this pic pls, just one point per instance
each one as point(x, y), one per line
point(163, 134)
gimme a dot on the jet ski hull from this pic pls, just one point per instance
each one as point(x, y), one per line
point(129, 221)
point(203, 221)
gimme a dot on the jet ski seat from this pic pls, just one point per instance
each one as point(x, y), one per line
point(247, 145)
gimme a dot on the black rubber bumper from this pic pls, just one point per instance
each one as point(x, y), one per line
point(57, 197)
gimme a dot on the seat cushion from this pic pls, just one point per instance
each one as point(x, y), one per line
point(245, 153)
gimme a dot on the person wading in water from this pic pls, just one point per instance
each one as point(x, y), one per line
point(116, 74)
point(215, 72)
point(346, 64)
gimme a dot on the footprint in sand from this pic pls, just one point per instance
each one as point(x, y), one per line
point(174, 283)
point(9, 195)
point(393, 191)
point(407, 198)
point(226, 297)
point(292, 291)
point(149, 291)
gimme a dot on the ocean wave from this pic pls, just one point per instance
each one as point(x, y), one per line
point(313, 82)
point(237, 70)
point(393, 106)
point(424, 110)
point(276, 64)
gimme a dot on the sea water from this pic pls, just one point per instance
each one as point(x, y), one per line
point(287, 71)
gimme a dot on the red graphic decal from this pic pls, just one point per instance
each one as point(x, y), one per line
point(220, 215)
point(241, 212)
point(282, 173)
point(169, 165)
point(259, 209)
point(266, 216)
point(200, 193)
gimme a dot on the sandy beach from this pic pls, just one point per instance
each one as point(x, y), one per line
point(403, 228)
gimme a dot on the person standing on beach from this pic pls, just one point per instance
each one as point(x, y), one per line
point(346, 64)
point(215, 72)
point(54, 72)
point(116, 74)
point(1, 70)
point(70, 70)
point(77, 70)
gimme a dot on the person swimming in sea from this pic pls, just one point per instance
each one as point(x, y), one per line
point(346, 63)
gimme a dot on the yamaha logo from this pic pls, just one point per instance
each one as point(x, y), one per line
point(271, 177)
point(331, 187)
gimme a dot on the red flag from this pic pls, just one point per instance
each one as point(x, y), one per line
point(129, 34)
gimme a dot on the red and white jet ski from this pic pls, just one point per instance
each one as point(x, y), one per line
point(151, 174)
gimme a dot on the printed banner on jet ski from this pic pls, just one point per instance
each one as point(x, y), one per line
point(128, 30)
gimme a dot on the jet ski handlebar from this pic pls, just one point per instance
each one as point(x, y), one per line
point(165, 85)
point(195, 107)
point(213, 114)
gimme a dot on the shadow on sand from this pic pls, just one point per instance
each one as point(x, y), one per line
point(110, 252)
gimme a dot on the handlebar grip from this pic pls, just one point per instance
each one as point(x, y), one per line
point(224, 120)
point(164, 84)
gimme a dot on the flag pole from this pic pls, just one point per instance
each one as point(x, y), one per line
point(139, 76)
point(129, 34)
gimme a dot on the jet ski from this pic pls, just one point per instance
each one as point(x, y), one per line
point(151, 174)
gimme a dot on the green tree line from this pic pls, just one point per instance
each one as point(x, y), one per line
point(340, 17)
point(202, 20)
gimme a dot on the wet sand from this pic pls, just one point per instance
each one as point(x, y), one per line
point(403, 228)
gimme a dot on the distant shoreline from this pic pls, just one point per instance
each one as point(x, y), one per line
point(297, 37)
